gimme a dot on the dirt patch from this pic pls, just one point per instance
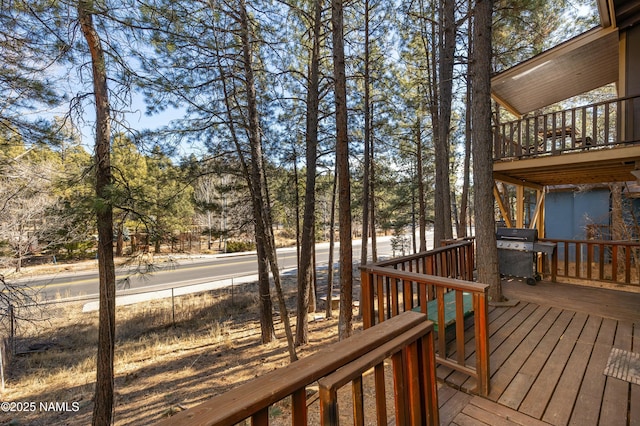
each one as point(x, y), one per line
point(168, 358)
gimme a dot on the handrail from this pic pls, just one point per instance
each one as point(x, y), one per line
point(453, 260)
point(253, 399)
point(616, 262)
point(414, 385)
point(388, 291)
point(583, 128)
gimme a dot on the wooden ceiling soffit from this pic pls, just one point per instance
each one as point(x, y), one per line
point(627, 13)
point(581, 64)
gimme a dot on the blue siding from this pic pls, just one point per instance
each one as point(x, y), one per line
point(568, 213)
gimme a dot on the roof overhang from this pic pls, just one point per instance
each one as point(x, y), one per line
point(581, 64)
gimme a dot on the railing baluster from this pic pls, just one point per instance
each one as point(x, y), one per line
point(566, 260)
point(627, 265)
point(395, 299)
point(573, 126)
point(260, 418)
point(578, 260)
point(407, 293)
point(601, 256)
point(381, 400)
point(594, 123)
point(614, 263)
point(414, 402)
point(584, 126)
point(562, 131)
point(382, 296)
point(358, 401)
point(442, 332)
point(606, 124)
point(299, 407)
point(367, 300)
point(527, 137)
point(460, 353)
point(589, 260)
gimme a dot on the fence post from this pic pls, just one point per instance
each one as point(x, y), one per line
point(12, 335)
point(173, 308)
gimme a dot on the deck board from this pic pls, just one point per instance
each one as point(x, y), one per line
point(567, 388)
point(542, 389)
point(453, 406)
point(614, 408)
point(525, 377)
point(587, 408)
point(503, 377)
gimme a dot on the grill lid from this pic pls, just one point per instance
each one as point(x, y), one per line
point(518, 234)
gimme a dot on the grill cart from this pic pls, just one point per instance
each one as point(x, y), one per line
point(517, 252)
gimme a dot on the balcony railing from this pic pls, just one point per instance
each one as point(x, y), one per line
point(407, 339)
point(596, 126)
point(615, 262)
point(437, 283)
point(414, 385)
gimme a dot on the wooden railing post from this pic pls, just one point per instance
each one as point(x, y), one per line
point(329, 407)
point(481, 320)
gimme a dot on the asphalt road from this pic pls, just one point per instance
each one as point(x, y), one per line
point(181, 271)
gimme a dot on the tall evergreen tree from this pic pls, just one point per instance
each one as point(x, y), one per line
point(305, 270)
point(345, 325)
point(103, 400)
point(482, 153)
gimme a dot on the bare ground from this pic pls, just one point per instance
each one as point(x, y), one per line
point(161, 367)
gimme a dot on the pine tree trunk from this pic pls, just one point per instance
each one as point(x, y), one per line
point(332, 232)
point(345, 323)
point(445, 83)
point(367, 139)
point(488, 272)
point(422, 205)
point(262, 212)
point(464, 202)
point(305, 271)
point(103, 399)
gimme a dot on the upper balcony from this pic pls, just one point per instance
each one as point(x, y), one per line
point(596, 143)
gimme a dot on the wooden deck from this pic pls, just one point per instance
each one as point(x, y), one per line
point(548, 360)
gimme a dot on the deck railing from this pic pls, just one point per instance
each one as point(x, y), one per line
point(420, 282)
point(616, 262)
point(414, 384)
point(407, 339)
point(589, 127)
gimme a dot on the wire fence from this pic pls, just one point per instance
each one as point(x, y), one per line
point(147, 308)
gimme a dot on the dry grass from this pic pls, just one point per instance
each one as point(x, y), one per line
point(161, 366)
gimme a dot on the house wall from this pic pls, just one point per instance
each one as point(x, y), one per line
point(569, 212)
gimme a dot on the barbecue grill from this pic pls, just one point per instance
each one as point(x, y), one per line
point(517, 252)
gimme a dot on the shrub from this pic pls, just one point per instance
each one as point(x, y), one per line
point(238, 246)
